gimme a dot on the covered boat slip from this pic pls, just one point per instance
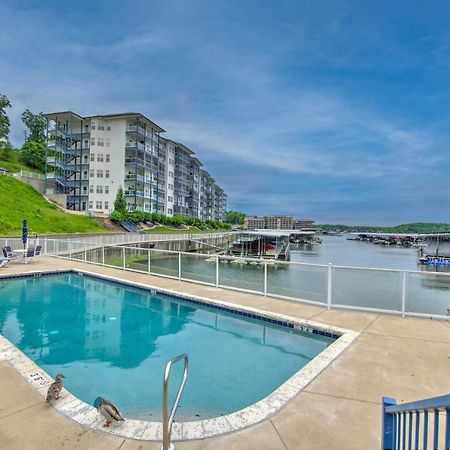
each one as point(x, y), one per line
point(269, 244)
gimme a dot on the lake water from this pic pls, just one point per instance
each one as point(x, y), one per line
point(341, 251)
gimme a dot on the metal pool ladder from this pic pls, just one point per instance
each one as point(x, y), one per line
point(168, 419)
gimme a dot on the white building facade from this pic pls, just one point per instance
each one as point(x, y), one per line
point(89, 158)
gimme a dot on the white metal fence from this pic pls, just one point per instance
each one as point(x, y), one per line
point(404, 292)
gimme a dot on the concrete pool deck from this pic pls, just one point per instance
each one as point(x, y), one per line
point(405, 358)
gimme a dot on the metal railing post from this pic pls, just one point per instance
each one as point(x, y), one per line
point(123, 258)
point(265, 278)
point(404, 293)
point(168, 418)
point(179, 266)
point(57, 247)
point(148, 262)
point(103, 255)
point(45, 245)
point(217, 271)
point(329, 284)
point(85, 254)
point(70, 248)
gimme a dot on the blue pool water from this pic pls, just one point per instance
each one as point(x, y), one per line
point(113, 341)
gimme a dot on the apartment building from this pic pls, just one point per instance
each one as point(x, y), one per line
point(89, 158)
point(254, 223)
point(269, 223)
point(279, 222)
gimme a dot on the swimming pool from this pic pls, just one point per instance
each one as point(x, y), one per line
point(113, 339)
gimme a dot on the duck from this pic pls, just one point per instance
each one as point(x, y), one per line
point(108, 410)
point(54, 391)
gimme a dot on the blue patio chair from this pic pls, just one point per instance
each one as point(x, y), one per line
point(3, 262)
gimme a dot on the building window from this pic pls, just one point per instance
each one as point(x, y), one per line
point(170, 211)
point(170, 186)
point(107, 157)
point(107, 203)
point(108, 128)
point(171, 174)
point(108, 142)
point(100, 142)
point(99, 189)
point(85, 189)
point(100, 157)
point(106, 190)
point(106, 173)
point(91, 188)
point(93, 126)
point(99, 173)
point(92, 142)
point(169, 198)
point(92, 157)
point(98, 205)
point(86, 143)
point(91, 204)
point(91, 173)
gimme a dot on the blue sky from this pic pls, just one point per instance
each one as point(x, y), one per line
point(334, 110)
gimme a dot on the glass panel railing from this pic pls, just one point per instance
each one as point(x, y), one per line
point(164, 263)
point(136, 259)
point(114, 256)
point(241, 273)
point(297, 281)
point(198, 267)
point(428, 293)
point(378, 289)
point(94, 256)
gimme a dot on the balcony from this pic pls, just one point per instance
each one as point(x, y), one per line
point(134, 144)
point(135, 129)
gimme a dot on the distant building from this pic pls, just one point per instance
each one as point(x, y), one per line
point(254, 223)
point(268, 222)
point(303, 223)
point(279, 222)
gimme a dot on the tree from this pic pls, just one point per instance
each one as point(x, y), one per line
point(4, 119)
point(33, 154)
point(36, 124)
point(120, 203)
point(6, 151)
point(235, 217)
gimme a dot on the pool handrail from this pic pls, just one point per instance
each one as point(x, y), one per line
point(168, 418)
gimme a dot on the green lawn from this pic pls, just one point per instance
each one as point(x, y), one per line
point(19, 201)
point(165, 230)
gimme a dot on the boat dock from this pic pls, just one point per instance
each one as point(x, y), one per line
point(268, 244)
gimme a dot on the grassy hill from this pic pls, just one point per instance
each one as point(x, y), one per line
point(19, 201)
point(14, 164)
point(167, 230)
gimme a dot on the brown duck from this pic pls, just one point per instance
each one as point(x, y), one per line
point(108, 410)
point(54, 391)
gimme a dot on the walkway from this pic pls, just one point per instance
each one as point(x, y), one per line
point(403, 358)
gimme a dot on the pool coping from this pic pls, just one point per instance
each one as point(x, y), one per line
point(86, 415)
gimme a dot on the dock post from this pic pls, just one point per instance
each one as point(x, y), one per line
point(329, 285)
